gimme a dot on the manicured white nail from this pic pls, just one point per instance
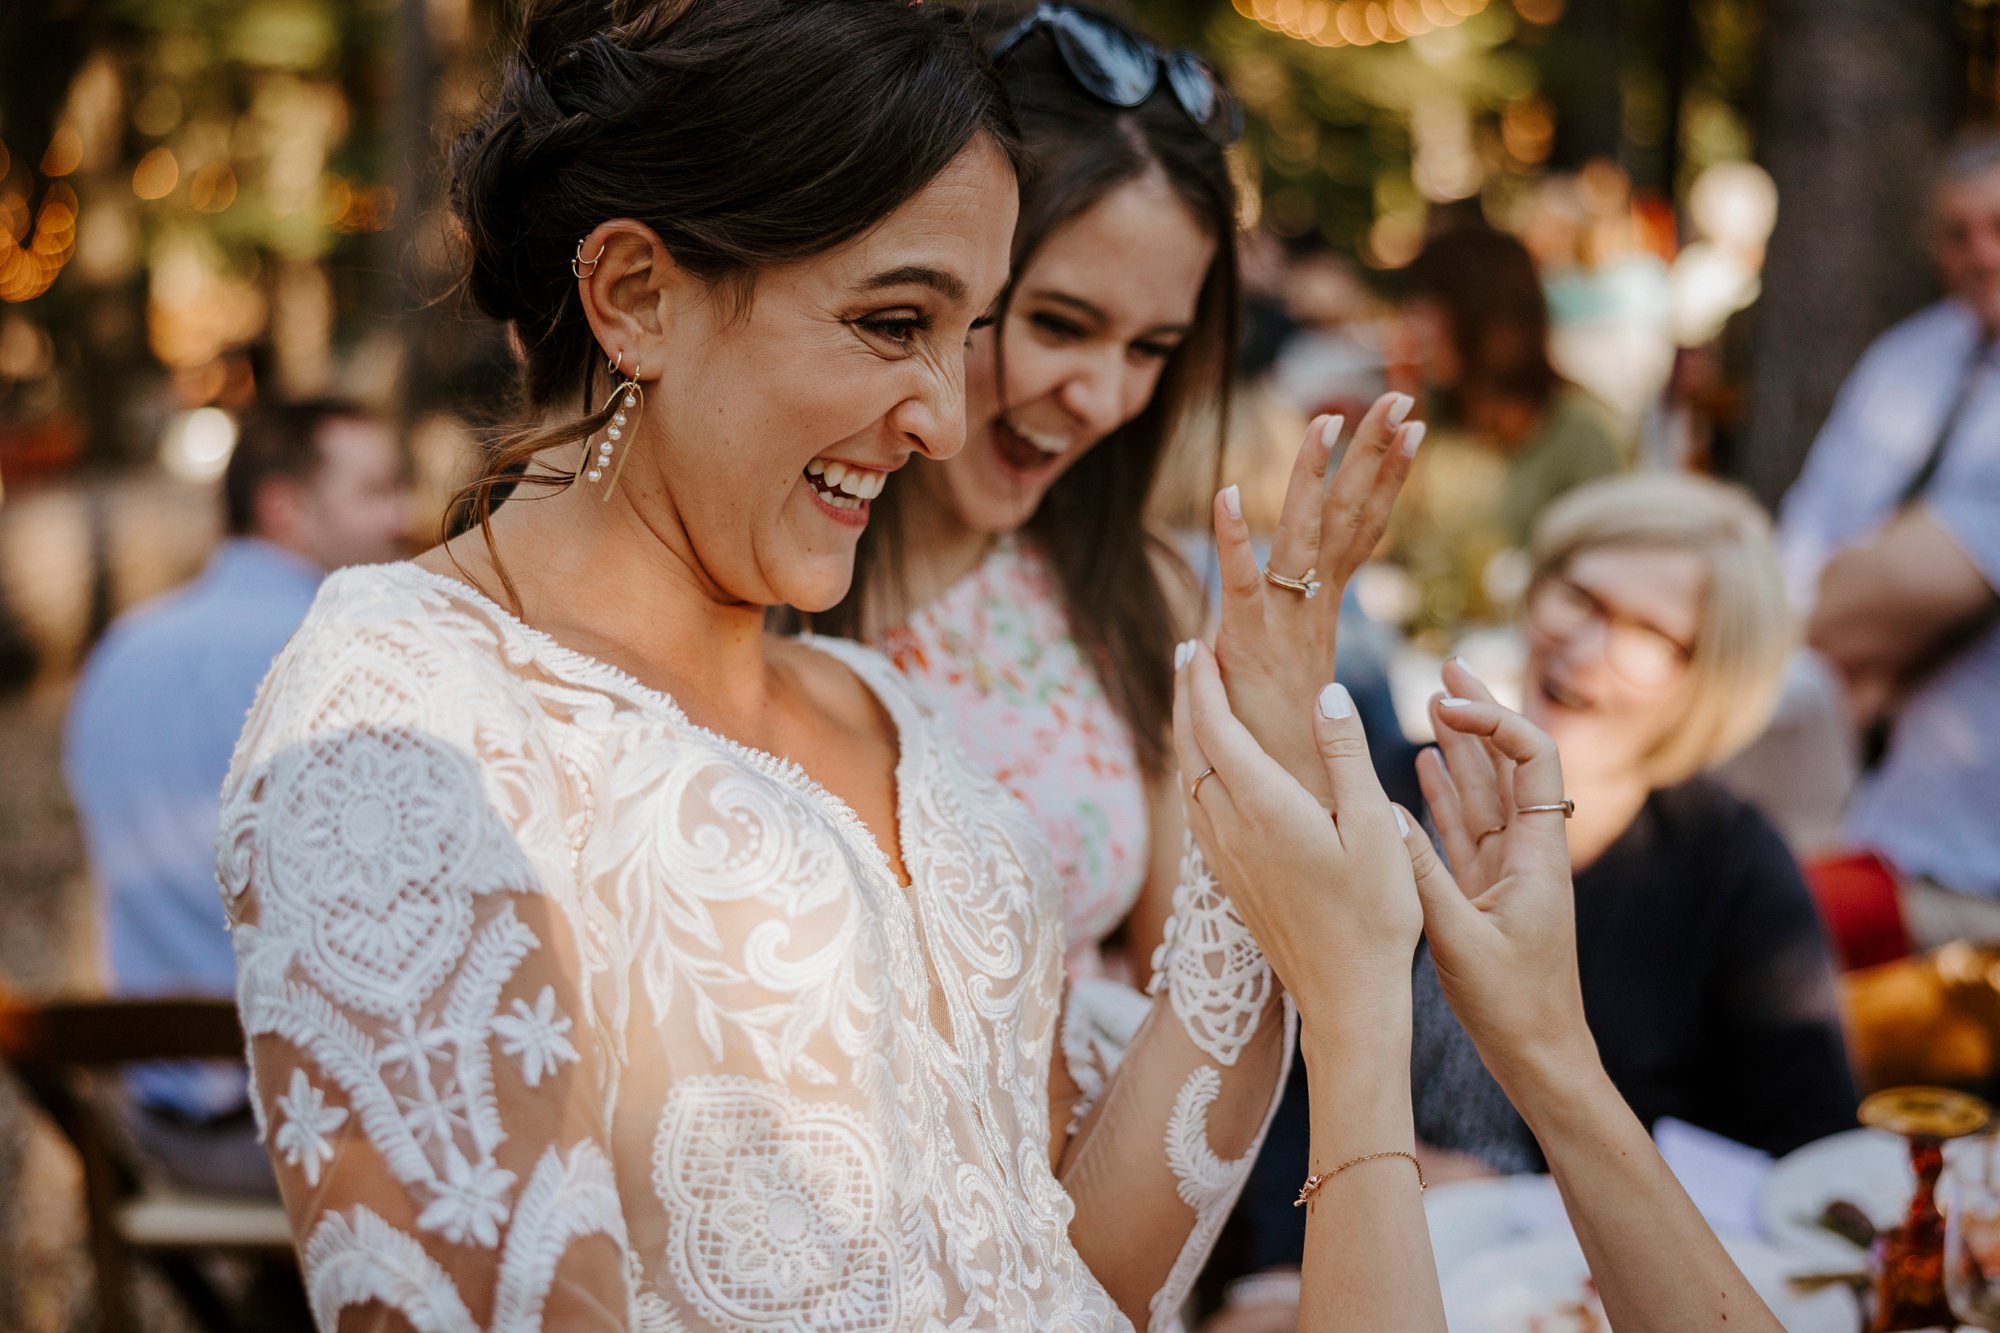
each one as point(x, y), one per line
point(1183, 653)
point(1335, 702)
point(1329, 432)
point(1232, 500)
point(1402, 823)
point(1400, 409)
point(1453, 701)
point(1413, 437)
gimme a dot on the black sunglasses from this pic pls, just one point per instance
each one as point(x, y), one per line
point(1116, 65)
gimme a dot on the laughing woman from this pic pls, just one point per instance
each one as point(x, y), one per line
point(608, 963)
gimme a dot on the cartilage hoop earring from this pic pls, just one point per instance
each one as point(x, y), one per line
point(577, 261)
point(629, 400)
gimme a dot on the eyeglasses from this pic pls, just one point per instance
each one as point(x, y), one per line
point(1116, 65)
point(1643, 654)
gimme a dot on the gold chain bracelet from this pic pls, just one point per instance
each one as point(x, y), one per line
point(1318, 1178)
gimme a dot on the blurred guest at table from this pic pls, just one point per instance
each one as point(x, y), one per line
point(1892, 537)
point(1476, 327)
point(310, 487)
point(1509, 434)
point(1656, 634)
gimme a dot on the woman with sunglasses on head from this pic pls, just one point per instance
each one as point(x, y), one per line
point(1018, 583)
point(609, 963)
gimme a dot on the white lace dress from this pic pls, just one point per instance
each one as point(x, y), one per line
point(565, 1012)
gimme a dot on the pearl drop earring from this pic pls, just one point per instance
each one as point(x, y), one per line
point(630, 400)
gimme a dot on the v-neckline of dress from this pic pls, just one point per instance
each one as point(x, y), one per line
point(835, 807)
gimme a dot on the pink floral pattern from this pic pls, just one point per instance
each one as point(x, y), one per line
point(995, 654)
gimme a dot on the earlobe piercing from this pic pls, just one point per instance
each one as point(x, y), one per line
point(630, 400)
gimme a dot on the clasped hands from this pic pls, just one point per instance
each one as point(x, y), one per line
point(1335, 881)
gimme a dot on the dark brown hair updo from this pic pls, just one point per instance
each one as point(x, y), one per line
point(745, 133)
point(1092, 523)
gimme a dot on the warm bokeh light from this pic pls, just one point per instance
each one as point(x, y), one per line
point(1357, 22)
point(65, 152)
point(197, 444)
point(30, 258)
point(213, 188)
point(156, 175)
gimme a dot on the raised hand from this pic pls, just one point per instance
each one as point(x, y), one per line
point(1330, 899)
point(1275, 643)
point(1470, 819)
point(1502, 929)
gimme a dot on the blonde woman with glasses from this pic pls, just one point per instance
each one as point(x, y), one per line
point(1657, 631)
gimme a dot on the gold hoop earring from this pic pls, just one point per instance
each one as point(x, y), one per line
point(630, 400)
point(577, 261)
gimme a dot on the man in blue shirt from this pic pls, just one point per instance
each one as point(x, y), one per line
point(310, 487)
point(1891, 539)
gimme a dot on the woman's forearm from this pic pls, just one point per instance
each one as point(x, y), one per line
point(1657, 1265)
point(1368, 1262)
point(1158, 1162)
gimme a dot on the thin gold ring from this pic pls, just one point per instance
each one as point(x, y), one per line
point(1305, 585)
point(1194, 791)
point(1567, 809)
point(578, 260)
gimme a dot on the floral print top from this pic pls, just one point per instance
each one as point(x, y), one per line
point(995, 654)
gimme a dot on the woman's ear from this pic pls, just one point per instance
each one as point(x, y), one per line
point(632, 292)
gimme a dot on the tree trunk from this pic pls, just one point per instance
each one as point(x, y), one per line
point(1859, 95)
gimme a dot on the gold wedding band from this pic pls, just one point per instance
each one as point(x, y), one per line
point(1568, 809)
point(1305, 585)
point(1194, 792)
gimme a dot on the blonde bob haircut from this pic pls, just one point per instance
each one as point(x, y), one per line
point(1745, 629)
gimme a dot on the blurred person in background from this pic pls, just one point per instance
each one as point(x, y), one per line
point(1892, 537)
point(1475, 332)
point(1656, 632)
point(310, 487)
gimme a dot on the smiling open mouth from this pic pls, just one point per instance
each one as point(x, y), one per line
point(1025, 451)
point(843, 486)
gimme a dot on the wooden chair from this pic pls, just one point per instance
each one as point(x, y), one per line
point(62, 1053)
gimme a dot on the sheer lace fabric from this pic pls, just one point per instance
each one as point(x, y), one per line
point(565, 1012)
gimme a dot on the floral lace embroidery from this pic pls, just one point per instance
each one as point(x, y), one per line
point(1215, 975)
point(1204, 1180)
point(502, 913)
point(775, 1206)
point(301, 1139)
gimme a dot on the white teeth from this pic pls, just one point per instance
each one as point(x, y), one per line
point(861, 484)
point(1048, 444)
point(845, 485)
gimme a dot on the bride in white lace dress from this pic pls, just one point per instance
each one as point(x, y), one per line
point(609, 964)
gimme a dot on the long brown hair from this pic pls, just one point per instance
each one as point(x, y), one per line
point(745, 133)
point(1091, 525)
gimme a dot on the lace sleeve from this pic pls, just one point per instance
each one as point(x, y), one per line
point(1162, 1154)
point(423, 1057)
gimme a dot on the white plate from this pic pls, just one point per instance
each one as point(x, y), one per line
point(1505, 1288)
point(1866, 1167)
point(1467, 1217)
